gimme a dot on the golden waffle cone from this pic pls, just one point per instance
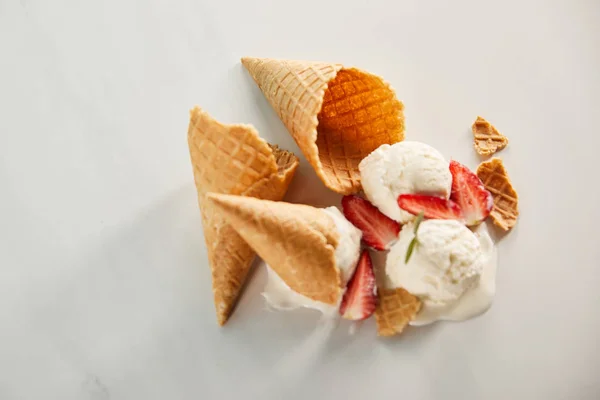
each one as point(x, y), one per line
point(232, 159)
point(336, 115)
point(297, 241)
point(395, 309)
point(486, 138)
point(506, 202)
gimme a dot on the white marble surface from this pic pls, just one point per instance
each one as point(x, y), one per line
point(104, 288)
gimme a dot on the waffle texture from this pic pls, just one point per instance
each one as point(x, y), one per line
point(506, 201)
point(297, 241)
point(396, 308)
point(232, 159)
point(336, 115)
point(486, 138)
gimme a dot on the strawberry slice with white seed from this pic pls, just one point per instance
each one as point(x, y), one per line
point(431, 206)
point(468, 192)
point(379, 231)
point(360, 299)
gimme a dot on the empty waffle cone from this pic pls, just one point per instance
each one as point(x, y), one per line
point(506, 201)
point(486, 138)
point(297, 241)
point(232, 159)
point(395, 309)
point(337, 115)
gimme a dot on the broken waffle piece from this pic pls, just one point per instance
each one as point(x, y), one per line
point(495, 179)
point(487, 140)
point(396, 308)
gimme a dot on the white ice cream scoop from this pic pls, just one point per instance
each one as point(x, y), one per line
point(446, 261)
point(403, 168)
point(478, 298)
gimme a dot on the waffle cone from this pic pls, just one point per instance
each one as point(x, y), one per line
point(506, 201)
point(337, 115)
point(486, 138)
point(297, 241)
point(395, 309)
point(232, 159)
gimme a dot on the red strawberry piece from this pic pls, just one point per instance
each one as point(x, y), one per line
point(379, 231)
point(469, 193)
point(360, 299)
point(431, 206)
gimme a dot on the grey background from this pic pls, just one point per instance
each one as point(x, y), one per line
point(104, 287)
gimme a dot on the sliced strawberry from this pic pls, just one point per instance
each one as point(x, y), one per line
point(379, 231)
point(431, 206)
point(360, 299)
point(470, 194)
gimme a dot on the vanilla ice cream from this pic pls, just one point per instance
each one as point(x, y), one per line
point(475, 300)
point(280, 296)
point(403, 168)
point(347, 251)
point(447, 261)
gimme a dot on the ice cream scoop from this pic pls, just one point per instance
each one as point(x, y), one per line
point(451, 269)
point(478, 298)
point(403, 168)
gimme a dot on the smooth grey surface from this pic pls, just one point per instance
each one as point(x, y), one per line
point(104, 287)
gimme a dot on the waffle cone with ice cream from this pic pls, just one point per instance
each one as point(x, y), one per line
point(337, 115)
point(232, 159)
point(297, 241)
